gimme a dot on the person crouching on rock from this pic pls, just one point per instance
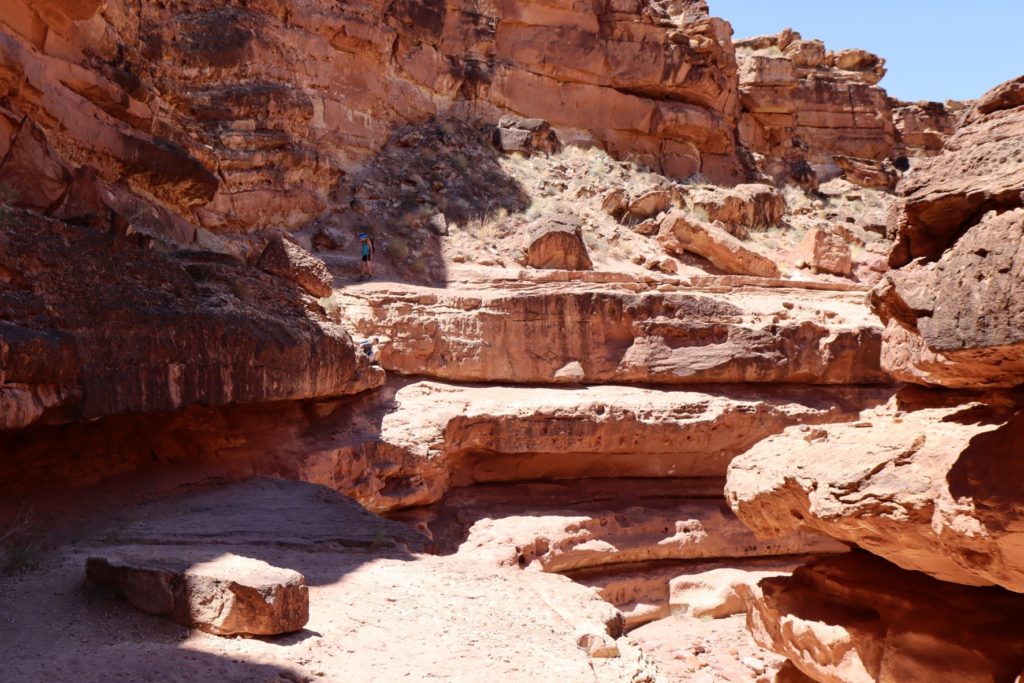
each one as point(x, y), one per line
point(371, 349)
point(366, 250)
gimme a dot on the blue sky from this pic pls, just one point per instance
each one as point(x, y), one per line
point(935, 49)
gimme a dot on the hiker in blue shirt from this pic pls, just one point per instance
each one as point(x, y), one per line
point(366, 250)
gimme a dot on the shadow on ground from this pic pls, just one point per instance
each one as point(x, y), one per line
point(428, 179)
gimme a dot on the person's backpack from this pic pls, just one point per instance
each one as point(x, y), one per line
point(368, 347)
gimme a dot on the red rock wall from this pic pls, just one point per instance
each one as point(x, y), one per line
point(243, 115)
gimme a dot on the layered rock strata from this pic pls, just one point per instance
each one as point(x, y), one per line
point(244, 115)
point(802, 104)
point(404, 447)
point(619, 333)
point(95, 324)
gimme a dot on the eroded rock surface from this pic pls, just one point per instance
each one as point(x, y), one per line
point(926, 482)
point(619, 333)
point(980, 169)
point(959, 321)
point(953, 316)
point(97, 324)
point(856, 618)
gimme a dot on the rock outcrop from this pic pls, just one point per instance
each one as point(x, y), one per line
point(954, 318)
point(957, 321)
point(924, 127)
point(96, 324)
point(858, 619)
point(981, 169)
point(926, 483)
point(801, 105)
point(618, 334)
point(227, 595)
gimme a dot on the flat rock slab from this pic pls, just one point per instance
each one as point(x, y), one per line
point(227, 595)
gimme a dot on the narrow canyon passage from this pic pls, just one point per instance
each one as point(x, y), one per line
point(502, 341)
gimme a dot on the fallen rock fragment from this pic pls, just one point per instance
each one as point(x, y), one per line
point(636, 207)
point(228, 595)
point(880, 175)
point(679, 233)
point(753, 206)
point(826, 252)
point(285, 259)
point(556, 243)
point(526, 136)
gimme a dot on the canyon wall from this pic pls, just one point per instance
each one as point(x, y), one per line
point(194, 117)
point(926, 482)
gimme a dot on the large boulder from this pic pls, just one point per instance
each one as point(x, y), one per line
point(744, 207)
point(525, 136)
point(226, 596)
point(680, 233)
point(284, 258)
point(930, 482)
point(825, 252)
point(858, 619)
point(555, 242)
point(959, 321)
